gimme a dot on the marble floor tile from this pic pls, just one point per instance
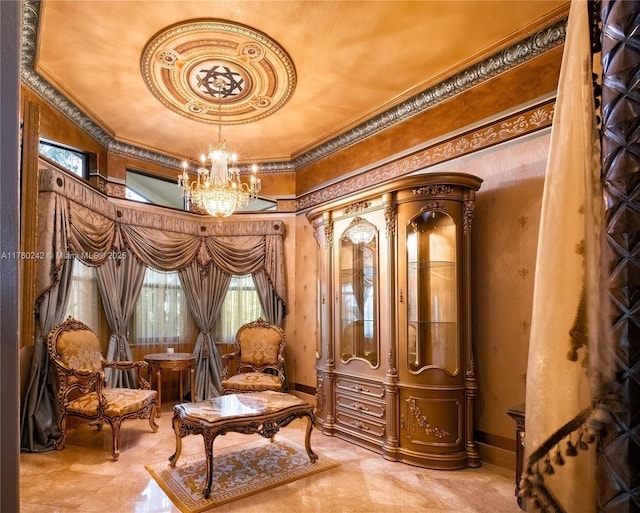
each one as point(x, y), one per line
point(82, 478)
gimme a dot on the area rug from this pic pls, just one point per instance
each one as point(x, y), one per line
point(238, 471)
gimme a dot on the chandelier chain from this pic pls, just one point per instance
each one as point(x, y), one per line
point(218, 189)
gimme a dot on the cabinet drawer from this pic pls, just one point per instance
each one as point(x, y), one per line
point(357, 403)
point(366, 388)
point(347, 421)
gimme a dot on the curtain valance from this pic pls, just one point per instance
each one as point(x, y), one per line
point(75, 219)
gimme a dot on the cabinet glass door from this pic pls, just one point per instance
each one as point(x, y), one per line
point(432, 293)
point(359, 293)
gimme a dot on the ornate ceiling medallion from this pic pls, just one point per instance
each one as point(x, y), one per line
point(181, 63)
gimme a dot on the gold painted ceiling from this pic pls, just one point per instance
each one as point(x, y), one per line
point(326, 66)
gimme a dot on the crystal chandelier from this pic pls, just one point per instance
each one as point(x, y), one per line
point(218, 189)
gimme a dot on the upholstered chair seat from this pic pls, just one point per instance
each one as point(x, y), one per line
point(257, 364)
point(76, 356)
point(253, 382)
point(119, 402)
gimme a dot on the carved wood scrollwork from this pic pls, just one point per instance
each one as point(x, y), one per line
point(357, 207)
point(269, 429)
point(328, 236)
point(435, 205)
point(430, 190)
point(467, 216)
point(390, 216)
point(423, 422)
point(320, 395)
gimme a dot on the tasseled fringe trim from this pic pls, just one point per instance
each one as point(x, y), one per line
point(539, 497)
point(576, 435)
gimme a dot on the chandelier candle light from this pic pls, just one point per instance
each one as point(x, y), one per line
point(218, 189)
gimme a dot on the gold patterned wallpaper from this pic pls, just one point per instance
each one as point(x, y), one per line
point(504, 242)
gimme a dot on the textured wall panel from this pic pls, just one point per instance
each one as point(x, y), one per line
point(619, 461)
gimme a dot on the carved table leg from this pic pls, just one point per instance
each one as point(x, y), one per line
point(307, 439)
point(173, 459)
point(192, 374)
point(208, 450)
point(159, 385)
point(181, 378)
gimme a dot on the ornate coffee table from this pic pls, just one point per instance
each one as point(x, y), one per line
point(257, 412)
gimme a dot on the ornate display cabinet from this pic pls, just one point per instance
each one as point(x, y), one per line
point(395, 366)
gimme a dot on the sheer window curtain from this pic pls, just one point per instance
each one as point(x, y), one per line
point(161, 312)
point(84, 301)
point(241, 305)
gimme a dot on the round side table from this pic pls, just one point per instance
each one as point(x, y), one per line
point(175, 362)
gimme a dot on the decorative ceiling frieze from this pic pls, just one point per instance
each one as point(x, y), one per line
point(532, 120)
point(530, 47)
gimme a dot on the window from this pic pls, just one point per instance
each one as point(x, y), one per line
point(74, 161)
point(241, 305)
point(161, 315)
point(155, 190)
point(84, 296)
point(130, 194)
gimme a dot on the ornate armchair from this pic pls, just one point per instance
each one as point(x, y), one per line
point(257, 364)
point(79, 366)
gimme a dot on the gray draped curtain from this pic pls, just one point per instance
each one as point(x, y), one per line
point(206, 288)
point(268, 278)
point(75, 219)
point(273, 308)
point(120, 280)
point(39, 429)
point(205, 295)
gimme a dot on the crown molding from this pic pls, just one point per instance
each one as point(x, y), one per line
point(501, 62)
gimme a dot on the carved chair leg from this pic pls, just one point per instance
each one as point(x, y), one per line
point(62, 425)
point(97, 423)
point(152, 417)
point(115, 430)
